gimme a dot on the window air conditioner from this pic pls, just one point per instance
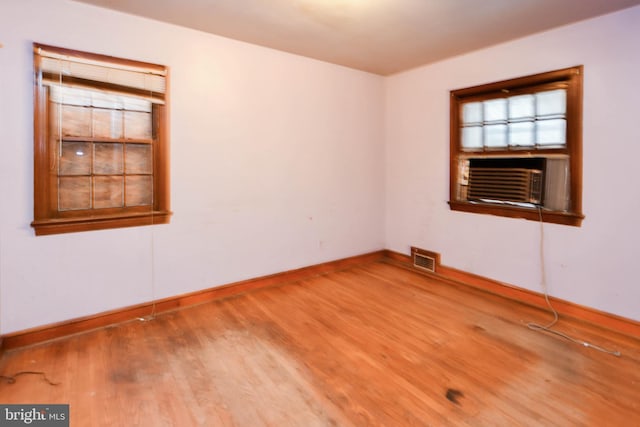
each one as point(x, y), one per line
point(541, 181)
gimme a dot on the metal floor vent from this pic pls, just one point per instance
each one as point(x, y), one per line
point(424, 260)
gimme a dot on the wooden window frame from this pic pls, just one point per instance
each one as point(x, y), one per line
point(48, 219)
point(570, 77)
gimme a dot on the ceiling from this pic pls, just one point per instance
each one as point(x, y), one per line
point(379, 36)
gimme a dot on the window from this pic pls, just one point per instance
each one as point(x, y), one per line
point(516, 148)
point(101, 149)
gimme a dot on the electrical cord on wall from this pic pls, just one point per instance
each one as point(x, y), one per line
point(153, 269)
point(556, 317)
point(152, 315)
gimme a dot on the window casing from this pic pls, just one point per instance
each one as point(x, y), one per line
point(101, 148)
point(524, 133)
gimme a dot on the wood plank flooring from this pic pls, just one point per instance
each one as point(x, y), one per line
point(373, 345)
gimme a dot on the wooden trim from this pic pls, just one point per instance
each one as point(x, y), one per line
point(72, 225)
point(398, 257)
point(532, 214)
point(587, 314)
point(446, 274)
point(574, 137)
point(454, 147)
point(105, 139)
point(41, 182)
point(98, 57)
point(83, 324)
point(562, 75)
point(161, 157)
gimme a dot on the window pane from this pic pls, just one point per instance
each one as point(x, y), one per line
point(551, 132)
point(107, 123)
point(472, 112)
point(138, 190)
point(472, 137)
point(108, 159)
point(75, 158)
point(553, 102)
point(521, 107)
point(495, 110)
point(108, 192)
point(74, 193)
point(138, 159)
point(76, 121)
point(521, 134)
point(495, 136)
point(137, 125)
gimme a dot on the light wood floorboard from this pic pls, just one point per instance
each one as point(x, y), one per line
point(373, 345)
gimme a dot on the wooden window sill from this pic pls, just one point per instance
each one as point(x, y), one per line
point(532, 214)
point(72, 225)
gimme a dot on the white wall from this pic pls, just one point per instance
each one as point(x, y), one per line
point(276, 163)
point(594, 265)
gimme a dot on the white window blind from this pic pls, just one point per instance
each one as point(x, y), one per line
point(146, 82)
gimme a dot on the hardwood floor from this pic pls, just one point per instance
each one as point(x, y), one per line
point(371, 345)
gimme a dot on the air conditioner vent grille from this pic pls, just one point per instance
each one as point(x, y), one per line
point(508, 184)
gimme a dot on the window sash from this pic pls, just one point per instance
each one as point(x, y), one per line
point(128, 94)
